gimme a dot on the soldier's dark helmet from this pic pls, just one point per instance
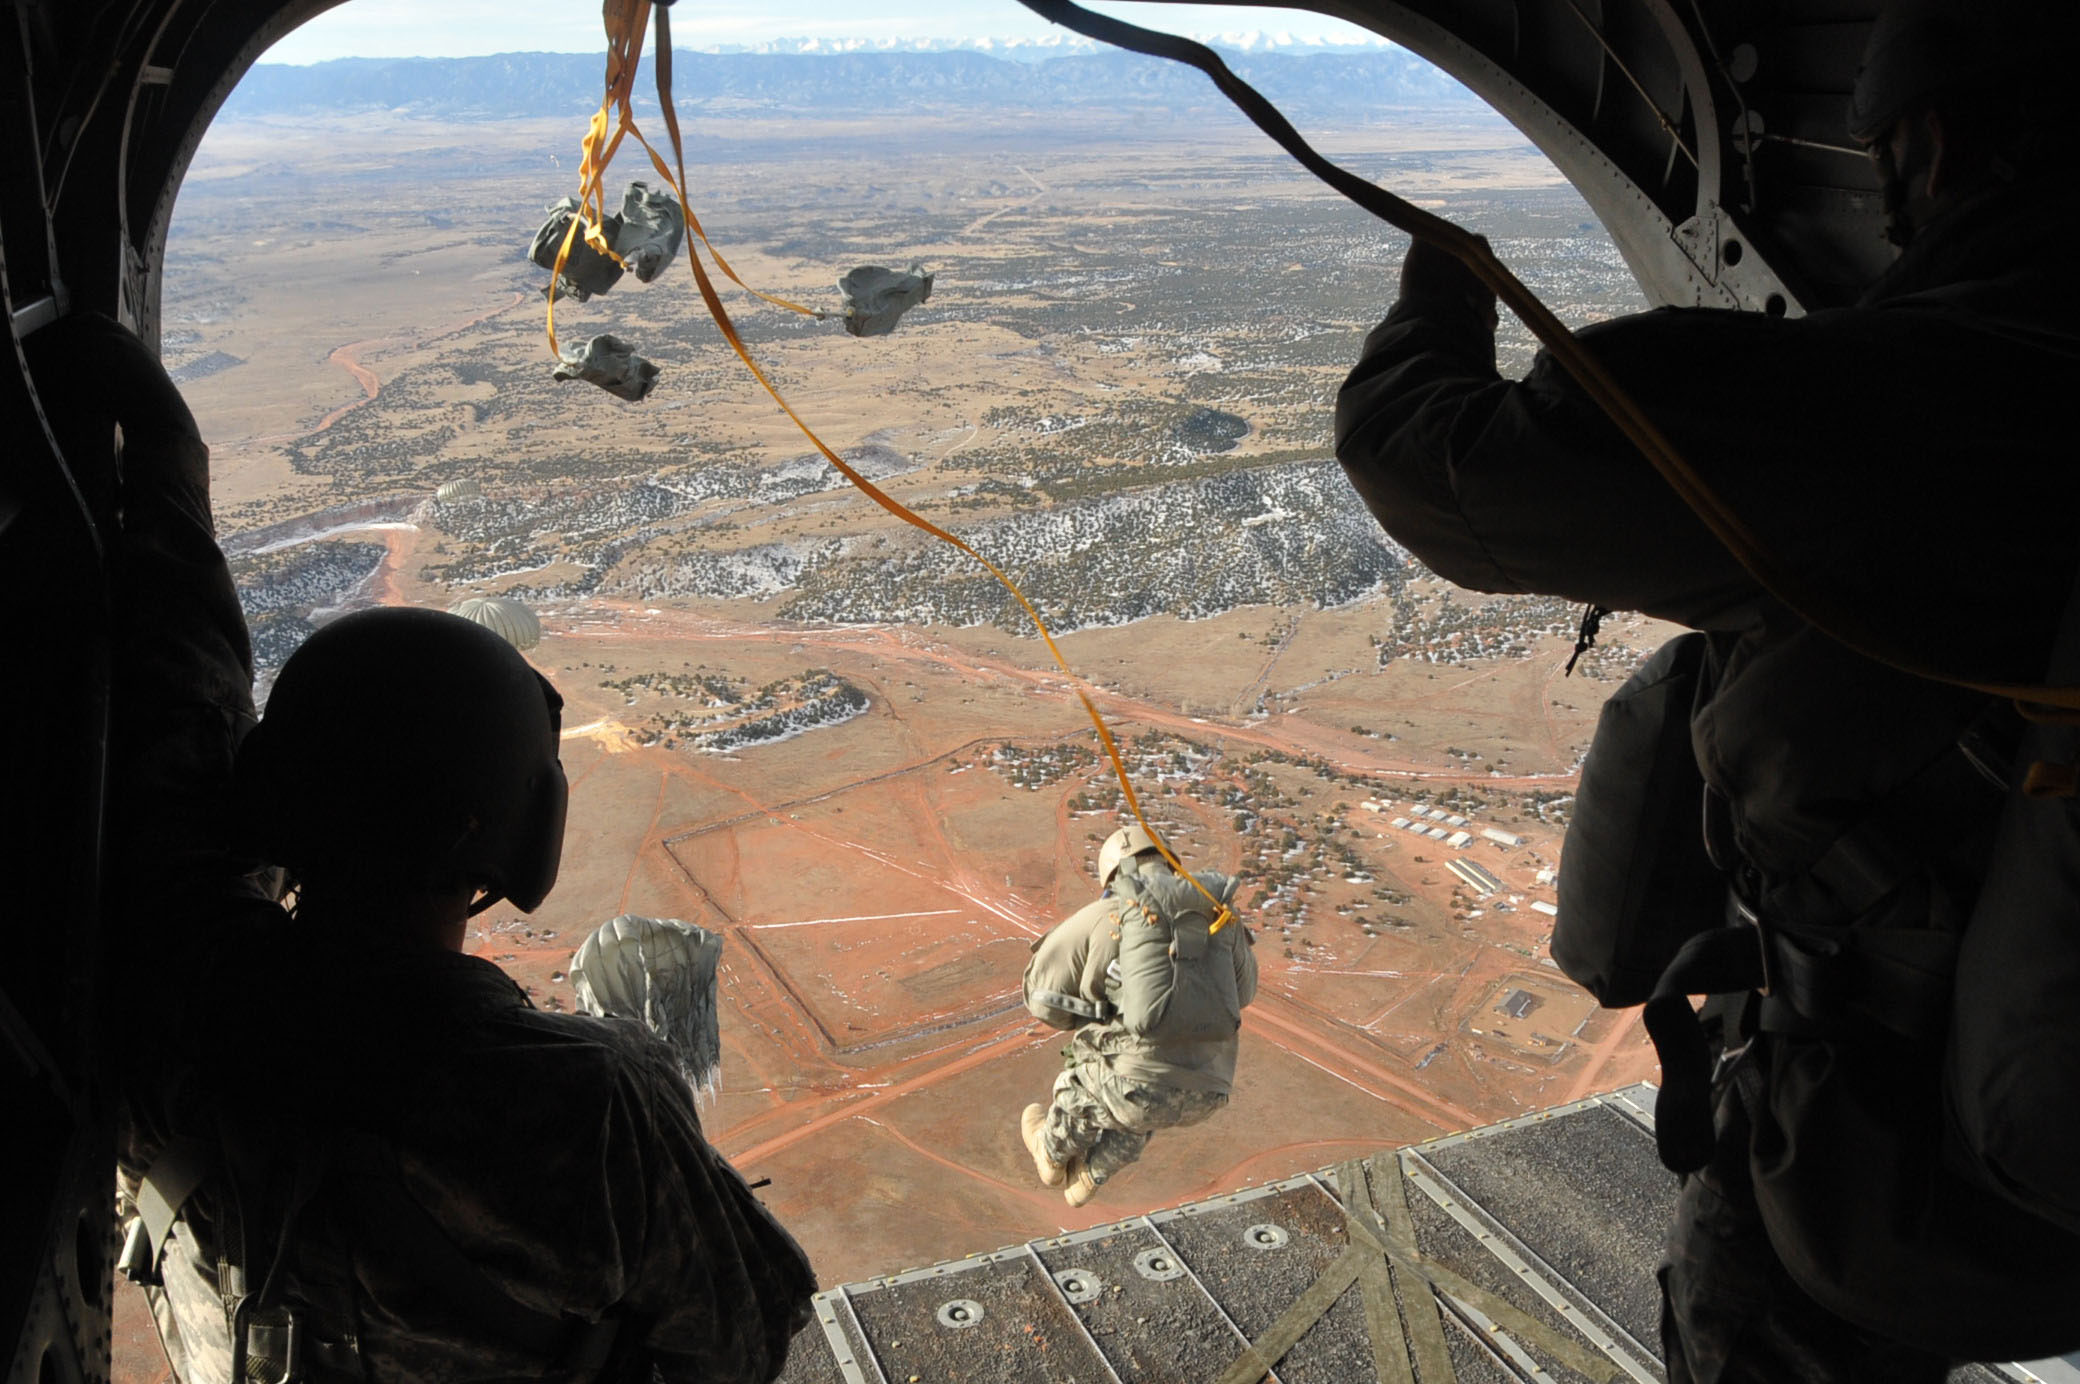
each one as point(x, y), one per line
point(408, 746)
point(1918, 50)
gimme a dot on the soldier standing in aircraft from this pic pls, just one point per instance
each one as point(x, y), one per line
point(1897, 456)
point(350, 1150)
point(1154, 996)
point(411, 1172)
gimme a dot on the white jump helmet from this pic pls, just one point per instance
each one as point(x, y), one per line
point(1121, 846)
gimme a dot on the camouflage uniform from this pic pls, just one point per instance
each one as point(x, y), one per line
point(1832, 1237)
point(1123, 1077)
point(1731, 1312)
point(560, 1155)
point(1106, 1118)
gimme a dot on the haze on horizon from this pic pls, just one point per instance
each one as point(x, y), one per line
point(475, 28)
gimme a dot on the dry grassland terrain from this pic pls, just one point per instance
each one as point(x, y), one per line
point(836, 741)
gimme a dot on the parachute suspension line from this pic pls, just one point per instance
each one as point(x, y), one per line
point(1831, 617)
point(624, 25)
point(625, 22)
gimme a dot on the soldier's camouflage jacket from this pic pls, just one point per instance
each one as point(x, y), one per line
point(560, 1154)
point(1074, 981)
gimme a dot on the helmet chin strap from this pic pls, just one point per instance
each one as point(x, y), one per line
point(490, 896)
point(1896, 187)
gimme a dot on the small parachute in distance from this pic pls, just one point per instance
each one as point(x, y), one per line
point(662, 972)
point(465, 489)
point(504, 617)
point(875, 297)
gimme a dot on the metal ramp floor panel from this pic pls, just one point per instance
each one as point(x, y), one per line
point(1154, 1321)
point(1257, 1256)
point(1586, 1194)
point(1518, 1253)
point(1443, 1232)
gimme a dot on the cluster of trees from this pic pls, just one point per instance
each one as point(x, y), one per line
point(827, 700)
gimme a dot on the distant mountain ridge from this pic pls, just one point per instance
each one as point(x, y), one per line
point(1055, 43)
point(1309, 85)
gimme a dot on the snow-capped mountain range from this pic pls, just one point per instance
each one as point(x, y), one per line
point(1313, 81)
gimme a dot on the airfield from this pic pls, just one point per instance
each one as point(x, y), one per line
point(354, 323)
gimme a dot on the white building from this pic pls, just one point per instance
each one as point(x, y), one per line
point(1480, 880)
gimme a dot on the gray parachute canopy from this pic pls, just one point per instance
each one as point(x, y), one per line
point(661, 971)
point(875, 297)
point(504, 617)
point(459, 490)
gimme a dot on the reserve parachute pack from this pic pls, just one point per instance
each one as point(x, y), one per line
point(1176, 975)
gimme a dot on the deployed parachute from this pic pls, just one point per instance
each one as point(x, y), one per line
point(661, 971)
point(459, 490)
point(875, 297)
point(503, 616)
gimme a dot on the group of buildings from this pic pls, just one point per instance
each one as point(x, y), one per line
point(1458, 833)
point(1437, 824)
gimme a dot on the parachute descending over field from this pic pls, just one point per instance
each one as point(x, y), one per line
point(504, 617)
point(661, 971)
point(465, 489)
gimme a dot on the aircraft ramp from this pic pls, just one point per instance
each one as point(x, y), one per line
point(1520, 1251)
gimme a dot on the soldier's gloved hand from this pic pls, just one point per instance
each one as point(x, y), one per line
point(1434, 278)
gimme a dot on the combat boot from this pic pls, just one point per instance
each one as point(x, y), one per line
point(1032, 1124)
point(1082, 1186)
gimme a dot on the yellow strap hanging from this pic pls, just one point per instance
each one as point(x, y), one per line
point(625, 22)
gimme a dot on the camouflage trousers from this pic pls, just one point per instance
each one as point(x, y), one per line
point(1730, 1312)
point(1106, 1119)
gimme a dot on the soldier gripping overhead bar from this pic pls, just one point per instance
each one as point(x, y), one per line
point(1854, 1207)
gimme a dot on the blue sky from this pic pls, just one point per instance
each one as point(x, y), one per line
point(462, 28)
